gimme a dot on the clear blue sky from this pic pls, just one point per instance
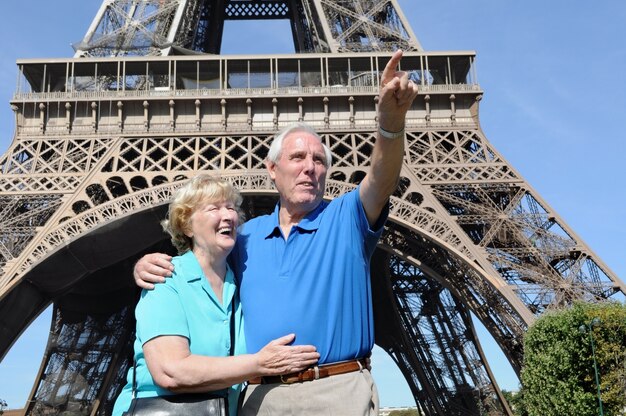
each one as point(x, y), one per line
point(554, 106)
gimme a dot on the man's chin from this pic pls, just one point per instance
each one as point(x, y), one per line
point(310, 202)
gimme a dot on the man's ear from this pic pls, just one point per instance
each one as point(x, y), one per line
point(271, 169)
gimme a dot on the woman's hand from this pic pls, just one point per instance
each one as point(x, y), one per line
point(174, 368)
point(278, 357)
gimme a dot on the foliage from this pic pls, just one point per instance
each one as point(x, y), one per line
point(404, 412)
point(558, 373)
point(3, 406)
point(515, 400)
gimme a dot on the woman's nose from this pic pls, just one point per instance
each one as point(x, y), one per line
point(228, 213)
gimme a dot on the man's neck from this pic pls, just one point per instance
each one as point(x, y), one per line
point(289, 216)
point(287, 221)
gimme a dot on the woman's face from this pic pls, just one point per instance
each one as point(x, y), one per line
point(213, 227)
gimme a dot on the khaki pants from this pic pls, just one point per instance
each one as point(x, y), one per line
point(350, 394)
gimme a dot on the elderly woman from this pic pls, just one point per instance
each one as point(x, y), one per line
point(184, 326)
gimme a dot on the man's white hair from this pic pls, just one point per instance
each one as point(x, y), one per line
point(276, 148)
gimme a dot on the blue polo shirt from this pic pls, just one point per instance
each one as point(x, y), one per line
point(316, 283)
point(185, 305)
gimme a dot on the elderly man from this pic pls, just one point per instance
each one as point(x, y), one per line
point(304, 269)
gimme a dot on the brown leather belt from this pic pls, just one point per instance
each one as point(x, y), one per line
point(314, 373)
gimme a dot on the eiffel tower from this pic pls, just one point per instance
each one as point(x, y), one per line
point(102, 140)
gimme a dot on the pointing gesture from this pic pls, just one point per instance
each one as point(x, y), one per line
point(396, 95)
point(394, 100)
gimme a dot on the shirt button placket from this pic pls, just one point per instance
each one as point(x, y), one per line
point(285, 267)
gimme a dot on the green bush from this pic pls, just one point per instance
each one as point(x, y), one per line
point(558, 372)
point(409, 412)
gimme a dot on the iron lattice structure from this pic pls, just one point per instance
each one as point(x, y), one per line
point(104, 138)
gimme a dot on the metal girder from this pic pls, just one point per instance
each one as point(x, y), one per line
point(131, 27)
point(445, 365)
point(166, 27)
point(85, 364)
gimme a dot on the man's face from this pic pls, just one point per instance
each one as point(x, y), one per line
point(300, 173)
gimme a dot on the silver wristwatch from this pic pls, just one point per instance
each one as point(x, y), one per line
point(391, 134)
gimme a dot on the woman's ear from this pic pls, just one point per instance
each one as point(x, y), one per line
point(187, 230)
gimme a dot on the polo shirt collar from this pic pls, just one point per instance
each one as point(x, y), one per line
point(193, 271)
point(308, 224)
point(195, 276)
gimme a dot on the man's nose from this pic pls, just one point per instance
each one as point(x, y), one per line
point(309, 165)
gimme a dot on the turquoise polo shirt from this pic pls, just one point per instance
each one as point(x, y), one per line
point(315, 283)
point(185, 305)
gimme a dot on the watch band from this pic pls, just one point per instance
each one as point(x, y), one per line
point(391, 134)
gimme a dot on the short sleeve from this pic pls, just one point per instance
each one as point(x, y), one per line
point(160, 312)
point(370, 233)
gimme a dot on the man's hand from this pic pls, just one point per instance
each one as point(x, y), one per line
point(396, 95)
point(152, 268)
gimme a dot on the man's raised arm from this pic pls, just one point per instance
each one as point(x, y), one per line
point(396, 96)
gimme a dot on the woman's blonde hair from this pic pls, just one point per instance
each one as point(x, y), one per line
point(199, 190)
